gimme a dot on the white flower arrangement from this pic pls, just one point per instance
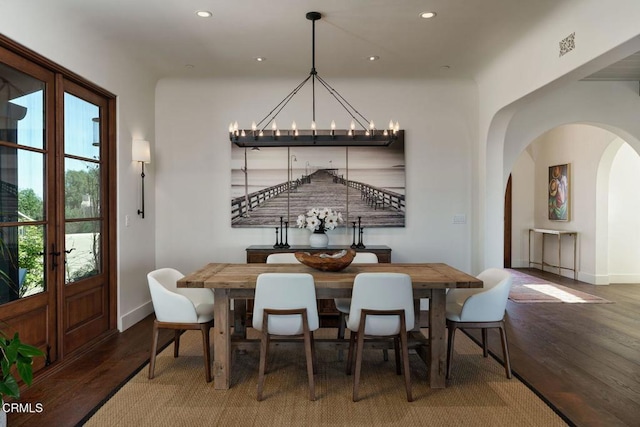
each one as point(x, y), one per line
point(319, 219)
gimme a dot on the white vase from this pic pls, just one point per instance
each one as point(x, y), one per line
point(318, 239)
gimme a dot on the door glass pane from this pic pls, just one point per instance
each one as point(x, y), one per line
point(21, 108)
point(81, 189)
point(81, 128)
point(83, 246)
point(22, 262)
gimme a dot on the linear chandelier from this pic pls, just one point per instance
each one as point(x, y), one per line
point(362, 132)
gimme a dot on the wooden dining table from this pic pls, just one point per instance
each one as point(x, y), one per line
point(238, 281)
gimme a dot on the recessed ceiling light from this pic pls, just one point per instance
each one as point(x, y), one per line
point(260, 58)
point(204, 13)
point(373, 58)
point(427, 15)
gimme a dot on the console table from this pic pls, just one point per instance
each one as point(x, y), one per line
point(326, 308)
point(259, 253)
point(559, 234)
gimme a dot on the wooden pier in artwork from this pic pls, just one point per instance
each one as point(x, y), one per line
point(377, 207)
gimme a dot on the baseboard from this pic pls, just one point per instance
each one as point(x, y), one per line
point(624, 278)
point(593, 279)
point(134, 316)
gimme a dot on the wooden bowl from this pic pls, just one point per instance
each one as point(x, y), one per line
point(328, 261)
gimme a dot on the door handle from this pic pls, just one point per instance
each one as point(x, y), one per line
point(54, 254)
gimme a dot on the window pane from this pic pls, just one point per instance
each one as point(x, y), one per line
point(21, 108)
point(30, 186)
point(21, 261)
point(83, 245)
point(81, 128)
point(82, 189)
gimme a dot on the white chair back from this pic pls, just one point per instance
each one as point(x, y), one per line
point(381, 291)
point(283, 258)
point(284, 291)
point(487, 304)
point(177, 305)
point(365, 258)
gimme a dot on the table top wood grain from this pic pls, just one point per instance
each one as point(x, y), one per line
point(244, 276)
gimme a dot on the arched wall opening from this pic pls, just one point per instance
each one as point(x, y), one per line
point(611, 106)
point(602, 203)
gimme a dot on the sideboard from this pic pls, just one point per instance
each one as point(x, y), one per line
point(259, 253)
point(329, 315)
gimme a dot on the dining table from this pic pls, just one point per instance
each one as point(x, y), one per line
point(238, 281)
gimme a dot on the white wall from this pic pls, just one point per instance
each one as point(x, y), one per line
point(604, 202)
point(532, 68)
point(623, 220)
point(193, 164)
point(80, 50)
point(582, 147)
point(522, 219)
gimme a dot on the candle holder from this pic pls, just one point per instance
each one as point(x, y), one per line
point(277, 245)
point(353, 245)
point(360, 244)
point(286, 235)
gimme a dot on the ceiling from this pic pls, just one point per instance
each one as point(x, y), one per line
point(625, 69)
point(169, 38)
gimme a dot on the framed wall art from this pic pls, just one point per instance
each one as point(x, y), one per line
point(360, 183)
point(558, 192)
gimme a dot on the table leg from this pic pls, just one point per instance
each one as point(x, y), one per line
point(221, 341)
point(437, 332)
point(559, 255)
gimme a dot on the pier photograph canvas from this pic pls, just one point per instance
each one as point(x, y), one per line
point(274, 182)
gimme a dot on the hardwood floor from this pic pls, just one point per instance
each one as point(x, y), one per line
point(69, 393)
point(582, 358)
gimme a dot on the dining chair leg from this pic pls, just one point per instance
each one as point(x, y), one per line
point(308, 347)
point(452, 332)
point(341, 325)
point(342, 321)
point(264, 344)
point(207, 351)
point(313, 353)
point(396, 346)
point(154, 349)
point(352, 342)
point(359, 351)
point(405, 363)
point(176, 342)
point(385, 354)
point(505, 350)
point(485, 341)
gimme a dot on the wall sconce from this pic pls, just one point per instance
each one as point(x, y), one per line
point(140, 152)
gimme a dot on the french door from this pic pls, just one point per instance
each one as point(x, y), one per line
point(56, 206)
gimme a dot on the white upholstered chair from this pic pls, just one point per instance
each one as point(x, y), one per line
point(381, 306)
point(285, 305)
point(480, 309)
point(179, 309)
point(343, 304)
point(283, 258)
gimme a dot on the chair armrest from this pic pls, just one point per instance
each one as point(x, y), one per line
point(487, 306)
point(172, 307)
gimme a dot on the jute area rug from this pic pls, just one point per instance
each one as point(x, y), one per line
point(478, 394)
point(529, 289)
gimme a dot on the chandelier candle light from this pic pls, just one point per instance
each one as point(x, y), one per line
point(365, 135)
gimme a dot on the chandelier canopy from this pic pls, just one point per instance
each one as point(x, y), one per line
point(362, 132)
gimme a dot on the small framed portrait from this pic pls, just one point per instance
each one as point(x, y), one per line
point(558, 194)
